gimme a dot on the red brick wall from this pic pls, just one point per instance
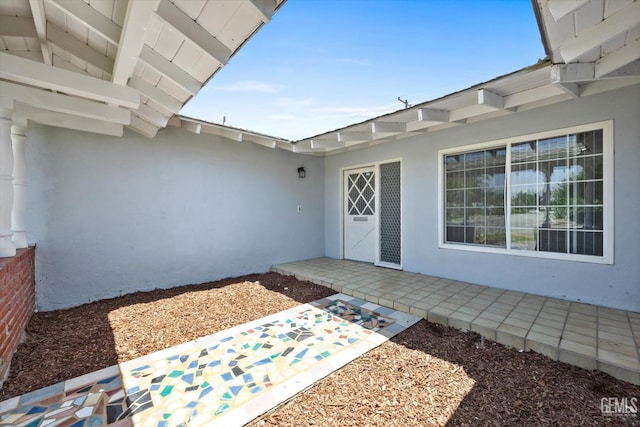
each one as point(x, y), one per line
point(17, 302)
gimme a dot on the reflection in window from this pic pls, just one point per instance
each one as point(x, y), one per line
point(555, 191)
point(475, 197)
point(557, 194)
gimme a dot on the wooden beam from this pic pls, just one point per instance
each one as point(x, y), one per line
point(170, 70)
point(562, 96)
point(607, 85)
point(265, 8)
point(567, 77)
point(461, 114)
point(191, 126)
point(433, 116)
point(531, 95)
point(630, 70)
point(618, 23)
point(32, 73)
point(79, 49)
point(561, 8)
point(182, 23)
point(51, 118)
point(428, 117)
point(572, 89)
point(174, 121)
point(152, 116)
point(142, 127)
point(231, 134)
point(131, 39)
point(617, 59)
point(354, 136)
point(572, 73)
point(285, 146)
point(90, 17)
point(157, 95)
point(381, 130)
point(61, 103)
point(319, 144)
point(490, 99)
point(388, 127)
point(16, 26)
point(40, 22)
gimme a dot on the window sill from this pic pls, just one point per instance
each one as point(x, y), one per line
point(591, 259)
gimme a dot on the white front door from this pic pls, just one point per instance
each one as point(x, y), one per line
point(360, 214)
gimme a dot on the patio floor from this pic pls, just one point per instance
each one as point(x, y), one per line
point(588, 336)
point(226, 379)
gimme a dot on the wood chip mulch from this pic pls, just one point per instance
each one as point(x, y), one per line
point(427, 375)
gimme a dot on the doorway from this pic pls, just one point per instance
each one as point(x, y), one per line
point(372, 214)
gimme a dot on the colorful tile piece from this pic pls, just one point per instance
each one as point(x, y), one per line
point(213, 379)
point(353, 313)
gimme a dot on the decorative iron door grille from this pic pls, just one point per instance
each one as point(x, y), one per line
point(390, 213)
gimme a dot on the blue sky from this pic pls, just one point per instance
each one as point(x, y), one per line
point(323, 64)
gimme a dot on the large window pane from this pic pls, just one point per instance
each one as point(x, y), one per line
point(474, 197)
point(555, 191)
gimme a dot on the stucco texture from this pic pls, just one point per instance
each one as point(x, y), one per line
point(116, 215)
point(616, 285)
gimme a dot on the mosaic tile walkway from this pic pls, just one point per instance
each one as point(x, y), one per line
point(226, 379)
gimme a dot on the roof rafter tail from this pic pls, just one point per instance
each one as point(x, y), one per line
point(157, 95)
point(143, 127)
point(169, 70)
point(625, 56)
point(60, 103)
point(131, 39)
point(182, 23)
point(91, 18)
point(24, 113)
point(266, 8)
point(40, 23)
point(33, 73)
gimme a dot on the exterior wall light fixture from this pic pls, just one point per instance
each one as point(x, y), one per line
point(301, 172)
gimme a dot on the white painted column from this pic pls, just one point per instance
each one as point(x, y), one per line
point(7, 247)
point(18, 136)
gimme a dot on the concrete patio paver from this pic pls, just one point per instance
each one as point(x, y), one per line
point(584, 335)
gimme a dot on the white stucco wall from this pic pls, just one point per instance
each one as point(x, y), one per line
point(117, 215)
point(616, 285)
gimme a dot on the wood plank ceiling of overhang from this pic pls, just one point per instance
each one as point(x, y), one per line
point(591, 39)
point(164, 51)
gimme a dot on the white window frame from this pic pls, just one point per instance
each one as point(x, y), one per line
point(608, 197)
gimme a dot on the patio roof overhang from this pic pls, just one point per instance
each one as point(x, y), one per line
point(99, 66)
